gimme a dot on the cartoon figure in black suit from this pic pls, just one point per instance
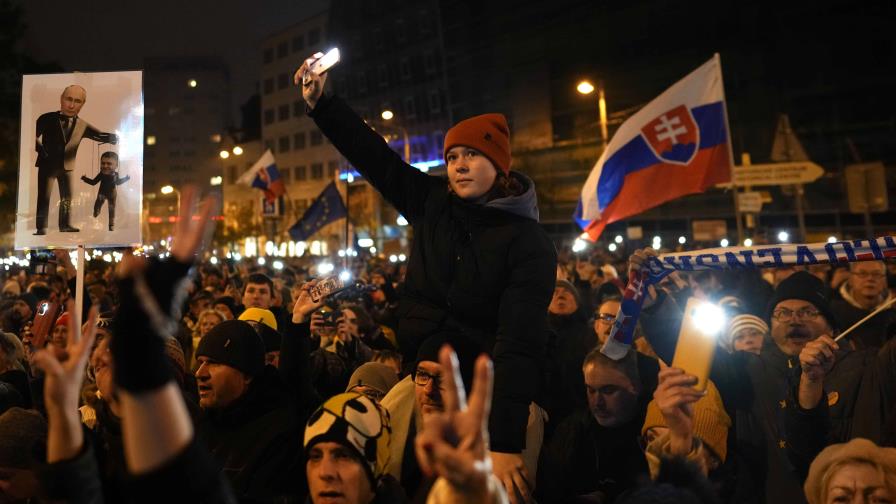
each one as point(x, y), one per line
point(57, 140)
point(108, 179)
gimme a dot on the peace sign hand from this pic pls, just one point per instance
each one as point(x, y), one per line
point(454, 444)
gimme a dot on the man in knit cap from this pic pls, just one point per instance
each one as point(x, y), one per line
point(347, 447)
point(247, 423)
point(373, 379)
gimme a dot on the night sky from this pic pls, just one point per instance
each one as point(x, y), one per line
point(106, 35)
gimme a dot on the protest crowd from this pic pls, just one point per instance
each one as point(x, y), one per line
point(472, 373)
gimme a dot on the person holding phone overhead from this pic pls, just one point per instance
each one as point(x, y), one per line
point(480, 266)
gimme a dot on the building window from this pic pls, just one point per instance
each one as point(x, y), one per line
point(301, 172)
point(429, 62)
point(268, 86)
point(150, 139)
point(268, 55)
point(317, 171)
point(282, 50)
point(332, 168)
point(283, 112)
point(298, 108)
point(316, 138)
point(298, 43)
point(404, 67)
point(298, 141)
point(283, 144)
point(435, 101)
point(282, 81)
point(269, 116)
point(383, 76)
point(314, 36)
point(410, 108)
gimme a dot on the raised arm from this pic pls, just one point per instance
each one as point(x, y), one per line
point(121, 180)
point(405, 187)
point(99, 136)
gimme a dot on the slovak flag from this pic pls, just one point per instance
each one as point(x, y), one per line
point(677, 144)
point(265, 176)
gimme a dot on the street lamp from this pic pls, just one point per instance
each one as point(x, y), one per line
point(585, 87)
point(237, 150)
point(224, 154)
point(387, 115)
point(168, 189)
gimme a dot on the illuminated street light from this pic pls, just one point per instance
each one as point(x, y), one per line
point(401, 221)
point(192, 83)
point(585, 87)
point(783, 236)
point(150, 140)
point(224, 154)
point(167, 189)
point(237, 150)
point(618, 239)
point(682, 240)
point(832, 239)
point(387, 115)
point(579, 245)
point(216, 180)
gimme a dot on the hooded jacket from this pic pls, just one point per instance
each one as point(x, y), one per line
point(485, 271)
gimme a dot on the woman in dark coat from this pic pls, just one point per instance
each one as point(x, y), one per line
point(480, 266)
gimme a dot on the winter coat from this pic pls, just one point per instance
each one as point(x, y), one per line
point(486, 271)
point(571, 340)
point(584, 458)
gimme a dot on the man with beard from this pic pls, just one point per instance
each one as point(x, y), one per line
point(759, 390)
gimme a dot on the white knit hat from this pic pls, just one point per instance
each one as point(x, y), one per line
point(738, 323)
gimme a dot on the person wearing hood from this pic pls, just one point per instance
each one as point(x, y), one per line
point(480, 263)
point(572, 339)
point(862, 293)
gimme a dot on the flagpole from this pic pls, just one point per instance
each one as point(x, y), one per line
point(345, 258)
point(737, 216)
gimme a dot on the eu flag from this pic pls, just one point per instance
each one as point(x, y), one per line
point(327, 208)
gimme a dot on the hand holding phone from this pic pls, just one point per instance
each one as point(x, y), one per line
point(43, 322)
point(326, 287)
point(697, 339)
point(320, 63)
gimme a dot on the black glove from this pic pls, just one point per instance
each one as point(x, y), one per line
point(150, 305)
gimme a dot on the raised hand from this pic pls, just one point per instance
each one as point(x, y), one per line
point(62, 388)
point(817, 358)
point(675, 397)
point(312, 84)
point(454, 444)
point(304, 305)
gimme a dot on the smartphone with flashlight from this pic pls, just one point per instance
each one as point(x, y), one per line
point(43, 321)
point(325, 287)
point(697, 339)
point(325, 62)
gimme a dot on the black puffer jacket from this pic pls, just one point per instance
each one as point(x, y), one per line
point(483, 270)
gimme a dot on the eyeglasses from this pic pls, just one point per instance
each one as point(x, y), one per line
point(422, 378)
point(868, 274)
point(785, 315)
point(606, 317)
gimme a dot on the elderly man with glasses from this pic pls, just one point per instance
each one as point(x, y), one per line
point(862, 293)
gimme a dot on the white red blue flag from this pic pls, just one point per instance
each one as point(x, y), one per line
point(264, 175)
point(677, 144)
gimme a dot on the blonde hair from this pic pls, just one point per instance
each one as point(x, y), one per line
point(206, 313)
point(888, 475)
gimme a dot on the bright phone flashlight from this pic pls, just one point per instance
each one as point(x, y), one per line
point(709, 319)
